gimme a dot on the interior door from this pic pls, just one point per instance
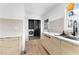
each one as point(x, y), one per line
point(37, 28)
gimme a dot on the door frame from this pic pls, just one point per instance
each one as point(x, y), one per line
point(40, 28)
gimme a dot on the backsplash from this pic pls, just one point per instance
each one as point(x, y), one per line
point(56, 25)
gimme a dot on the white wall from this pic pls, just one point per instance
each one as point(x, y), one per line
point(56, 26)
point(55, 13)
point(8, 12)
point(10, 28)
point(26, 28)
point(12, 10)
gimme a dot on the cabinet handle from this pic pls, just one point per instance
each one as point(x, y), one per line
point(47, 36)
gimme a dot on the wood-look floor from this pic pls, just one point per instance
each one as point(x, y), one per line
point(34, 38)
point(34, 47)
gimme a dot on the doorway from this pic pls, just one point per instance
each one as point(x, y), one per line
point(34, 29)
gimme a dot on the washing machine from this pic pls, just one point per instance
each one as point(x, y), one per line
point(31, 32)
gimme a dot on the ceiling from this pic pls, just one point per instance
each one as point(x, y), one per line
point(38, 9)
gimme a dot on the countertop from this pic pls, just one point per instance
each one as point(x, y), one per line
point(10, 36)
point(56, 35)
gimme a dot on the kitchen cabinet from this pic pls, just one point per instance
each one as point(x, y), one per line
point(57, 46)
point(10, 46)
point(69, 48)
point(51, 44)
point(45, 42)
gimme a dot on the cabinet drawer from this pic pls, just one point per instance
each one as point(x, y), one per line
point(10, 46)
point(9, 51)
point(9, 42)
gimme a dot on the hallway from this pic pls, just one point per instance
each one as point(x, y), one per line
point(34, 47)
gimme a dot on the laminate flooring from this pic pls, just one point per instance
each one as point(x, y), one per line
point(34, 47)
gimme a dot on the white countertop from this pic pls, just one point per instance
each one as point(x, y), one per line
point(10, 36)
point(76, 42)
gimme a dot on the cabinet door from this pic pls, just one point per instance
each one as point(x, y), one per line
point(68, 48)
point(45, 41)
point(52, 45)
point(10, 46)
point(55, 46)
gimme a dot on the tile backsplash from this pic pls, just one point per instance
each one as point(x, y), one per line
point(56, 25)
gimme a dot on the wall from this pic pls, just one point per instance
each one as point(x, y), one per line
point(56, 25)
point(10, 27)
point(56, 13)
point(12, 11)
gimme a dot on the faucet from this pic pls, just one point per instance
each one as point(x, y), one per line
point(74, 28)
